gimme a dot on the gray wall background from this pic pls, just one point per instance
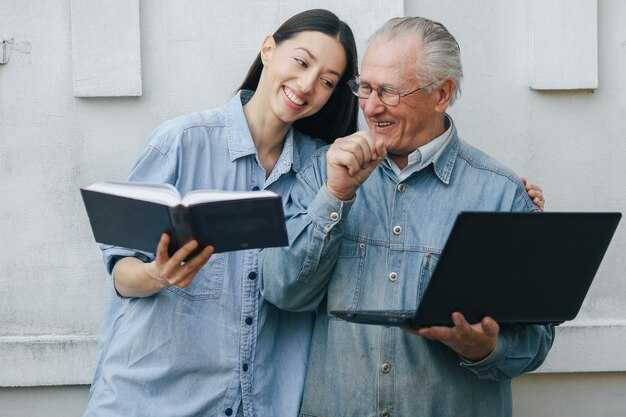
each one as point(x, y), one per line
point(193, 55)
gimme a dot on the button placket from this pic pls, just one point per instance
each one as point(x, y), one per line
point(247, 330)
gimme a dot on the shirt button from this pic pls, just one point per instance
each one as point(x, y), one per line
point(334, 216)
point(255, 188)
point(248, 320)
point(384, 413)
point(245, 367)
point(393, 277)
point(397, 230)
point(401, 188)
point(386, 367)
point(252, 275)
point(228, 411)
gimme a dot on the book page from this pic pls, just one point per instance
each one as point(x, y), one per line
point(153, 192)
point(207, 196)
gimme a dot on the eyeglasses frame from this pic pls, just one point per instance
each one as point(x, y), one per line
point(379, 91)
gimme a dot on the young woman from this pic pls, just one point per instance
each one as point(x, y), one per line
point(197, 338)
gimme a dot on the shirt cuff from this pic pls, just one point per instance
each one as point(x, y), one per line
point(326, 210)
point(498, 355)
point(112, 254)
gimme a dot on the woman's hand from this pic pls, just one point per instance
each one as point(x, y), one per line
point(134, 278)
point(535, 193)
point(175, 270)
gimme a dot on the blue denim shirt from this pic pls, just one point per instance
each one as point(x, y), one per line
point(205, 349)
point(352, 255)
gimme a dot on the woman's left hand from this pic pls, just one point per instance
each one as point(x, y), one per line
point(535, 193)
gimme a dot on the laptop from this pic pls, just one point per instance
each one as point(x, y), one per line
point(526, 268)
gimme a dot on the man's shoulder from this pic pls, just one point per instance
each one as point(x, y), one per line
point(479, 161)
point(483, 173)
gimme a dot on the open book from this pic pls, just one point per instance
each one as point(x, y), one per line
point(134, 215)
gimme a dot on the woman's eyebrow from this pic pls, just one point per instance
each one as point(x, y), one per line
point(307, 51)
point(313, 57)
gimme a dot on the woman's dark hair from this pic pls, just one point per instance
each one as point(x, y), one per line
point(339, 116)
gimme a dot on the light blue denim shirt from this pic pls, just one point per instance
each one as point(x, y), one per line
point(206, 349)
point(378, 252)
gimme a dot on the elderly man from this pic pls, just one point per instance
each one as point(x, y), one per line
point(374, 244)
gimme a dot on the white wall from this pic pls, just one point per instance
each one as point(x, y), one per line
point(52, 283)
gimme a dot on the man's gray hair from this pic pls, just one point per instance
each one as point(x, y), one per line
point(440, 53)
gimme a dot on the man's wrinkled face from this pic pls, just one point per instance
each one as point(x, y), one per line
point(413, 122)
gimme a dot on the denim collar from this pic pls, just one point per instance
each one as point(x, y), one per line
point(444, 159)
point(240, 141)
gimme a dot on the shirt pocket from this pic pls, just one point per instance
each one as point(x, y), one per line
point(429, 263)
point(207, 284)
point(345, 287)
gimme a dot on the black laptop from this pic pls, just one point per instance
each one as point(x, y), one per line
point(531, 268)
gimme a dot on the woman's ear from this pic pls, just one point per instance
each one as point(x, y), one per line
point(267, 48)
point(444, 95)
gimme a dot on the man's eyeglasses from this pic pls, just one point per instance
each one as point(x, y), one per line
point(388, 95)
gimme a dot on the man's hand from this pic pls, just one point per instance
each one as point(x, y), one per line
point(535, 193)
point(350, 160)
point(472, 341)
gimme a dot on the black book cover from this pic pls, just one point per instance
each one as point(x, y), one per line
point(227, 225)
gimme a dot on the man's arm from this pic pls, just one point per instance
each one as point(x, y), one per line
point(296, 278)
point(490, 351)
point(519, 349)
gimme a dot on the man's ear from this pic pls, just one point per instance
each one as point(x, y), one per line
point(267, 48)
point(444, 95)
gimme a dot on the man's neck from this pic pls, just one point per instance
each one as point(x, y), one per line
point(439, 128)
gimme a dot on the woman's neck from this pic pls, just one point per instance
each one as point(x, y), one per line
point(268, 133)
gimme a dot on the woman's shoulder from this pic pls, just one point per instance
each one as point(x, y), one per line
point(173, 130)
point(209, 118)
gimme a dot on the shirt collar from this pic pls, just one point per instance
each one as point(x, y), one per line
point(444, 159)
point(424, 155)
point(240, 141)
point(286, 159)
